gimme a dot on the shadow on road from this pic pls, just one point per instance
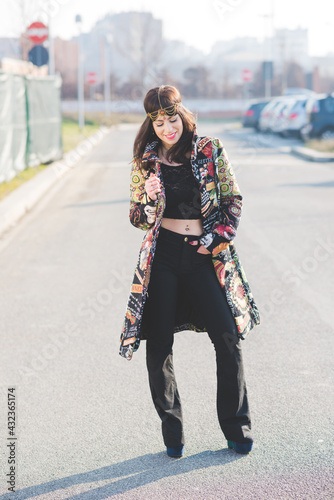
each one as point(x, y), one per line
point(130, 474)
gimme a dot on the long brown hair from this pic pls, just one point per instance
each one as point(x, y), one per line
point(168, 96)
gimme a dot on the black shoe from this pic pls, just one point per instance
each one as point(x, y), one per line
point(243, 448)
point(175, 452)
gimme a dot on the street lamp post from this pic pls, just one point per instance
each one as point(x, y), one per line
point(81, 115)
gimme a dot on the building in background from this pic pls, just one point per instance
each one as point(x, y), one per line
point(66, 63)
point(10, 47)
point(229, 58)
point(291, 46)
point(132, 42)
point(128, 51)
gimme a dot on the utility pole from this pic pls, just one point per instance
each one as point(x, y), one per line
point(107, 41)
point(269, 53)
point(81, 104)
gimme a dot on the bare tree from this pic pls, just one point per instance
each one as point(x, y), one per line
point(198, 81)
point(142, 46)
point(25, 12)
point(295, 75)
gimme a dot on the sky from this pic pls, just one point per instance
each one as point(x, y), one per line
point(198, 25)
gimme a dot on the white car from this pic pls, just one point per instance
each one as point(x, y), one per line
point(295, 118)
point(278, 116)
point(268, 113)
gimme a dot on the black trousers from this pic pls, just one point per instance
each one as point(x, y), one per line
point(177, 263)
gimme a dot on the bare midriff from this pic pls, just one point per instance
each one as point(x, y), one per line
point(183, 226)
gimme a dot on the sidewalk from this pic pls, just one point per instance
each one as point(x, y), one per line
point(14, 206)
point(312, 154)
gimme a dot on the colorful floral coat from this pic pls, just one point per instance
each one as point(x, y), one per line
point(221, 204)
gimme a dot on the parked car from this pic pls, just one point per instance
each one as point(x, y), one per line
point(294, 117)
point(268, 113)
point(278, 115)
point(252, 114)
point(320, 118)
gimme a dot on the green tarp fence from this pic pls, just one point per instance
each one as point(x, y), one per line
point(13, 126)
point(30, 122)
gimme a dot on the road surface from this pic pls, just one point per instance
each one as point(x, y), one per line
point(86, 425)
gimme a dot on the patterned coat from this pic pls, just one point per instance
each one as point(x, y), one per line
point(221, 204)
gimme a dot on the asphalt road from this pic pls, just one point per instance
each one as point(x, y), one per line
point(86, 426)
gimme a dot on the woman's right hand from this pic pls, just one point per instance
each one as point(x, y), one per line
point(152, 186)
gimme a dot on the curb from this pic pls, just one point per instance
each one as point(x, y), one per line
point(312, 154)
point(14, 206)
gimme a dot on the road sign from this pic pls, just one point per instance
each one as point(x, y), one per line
point(37, 32)
point(38, 55)
point(247, 75)
point(91, 78)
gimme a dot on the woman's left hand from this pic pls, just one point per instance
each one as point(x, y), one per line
point(201, 248)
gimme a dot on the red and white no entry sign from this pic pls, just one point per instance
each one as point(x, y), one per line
point(247, 75)
point(37, 32)
point(91, 78)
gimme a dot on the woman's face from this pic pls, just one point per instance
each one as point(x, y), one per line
point(169, 129)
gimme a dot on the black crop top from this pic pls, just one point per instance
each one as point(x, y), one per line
point(183, 198)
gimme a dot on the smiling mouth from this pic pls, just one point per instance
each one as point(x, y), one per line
point(171, 136)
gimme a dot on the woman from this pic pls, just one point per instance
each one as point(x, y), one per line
point(188, 277)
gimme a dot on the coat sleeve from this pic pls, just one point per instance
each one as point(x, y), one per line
point(229, 202)
point(142, 209)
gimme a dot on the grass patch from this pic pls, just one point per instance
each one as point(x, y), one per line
point(325, 146)
point(72, 135)
point(24, 176)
